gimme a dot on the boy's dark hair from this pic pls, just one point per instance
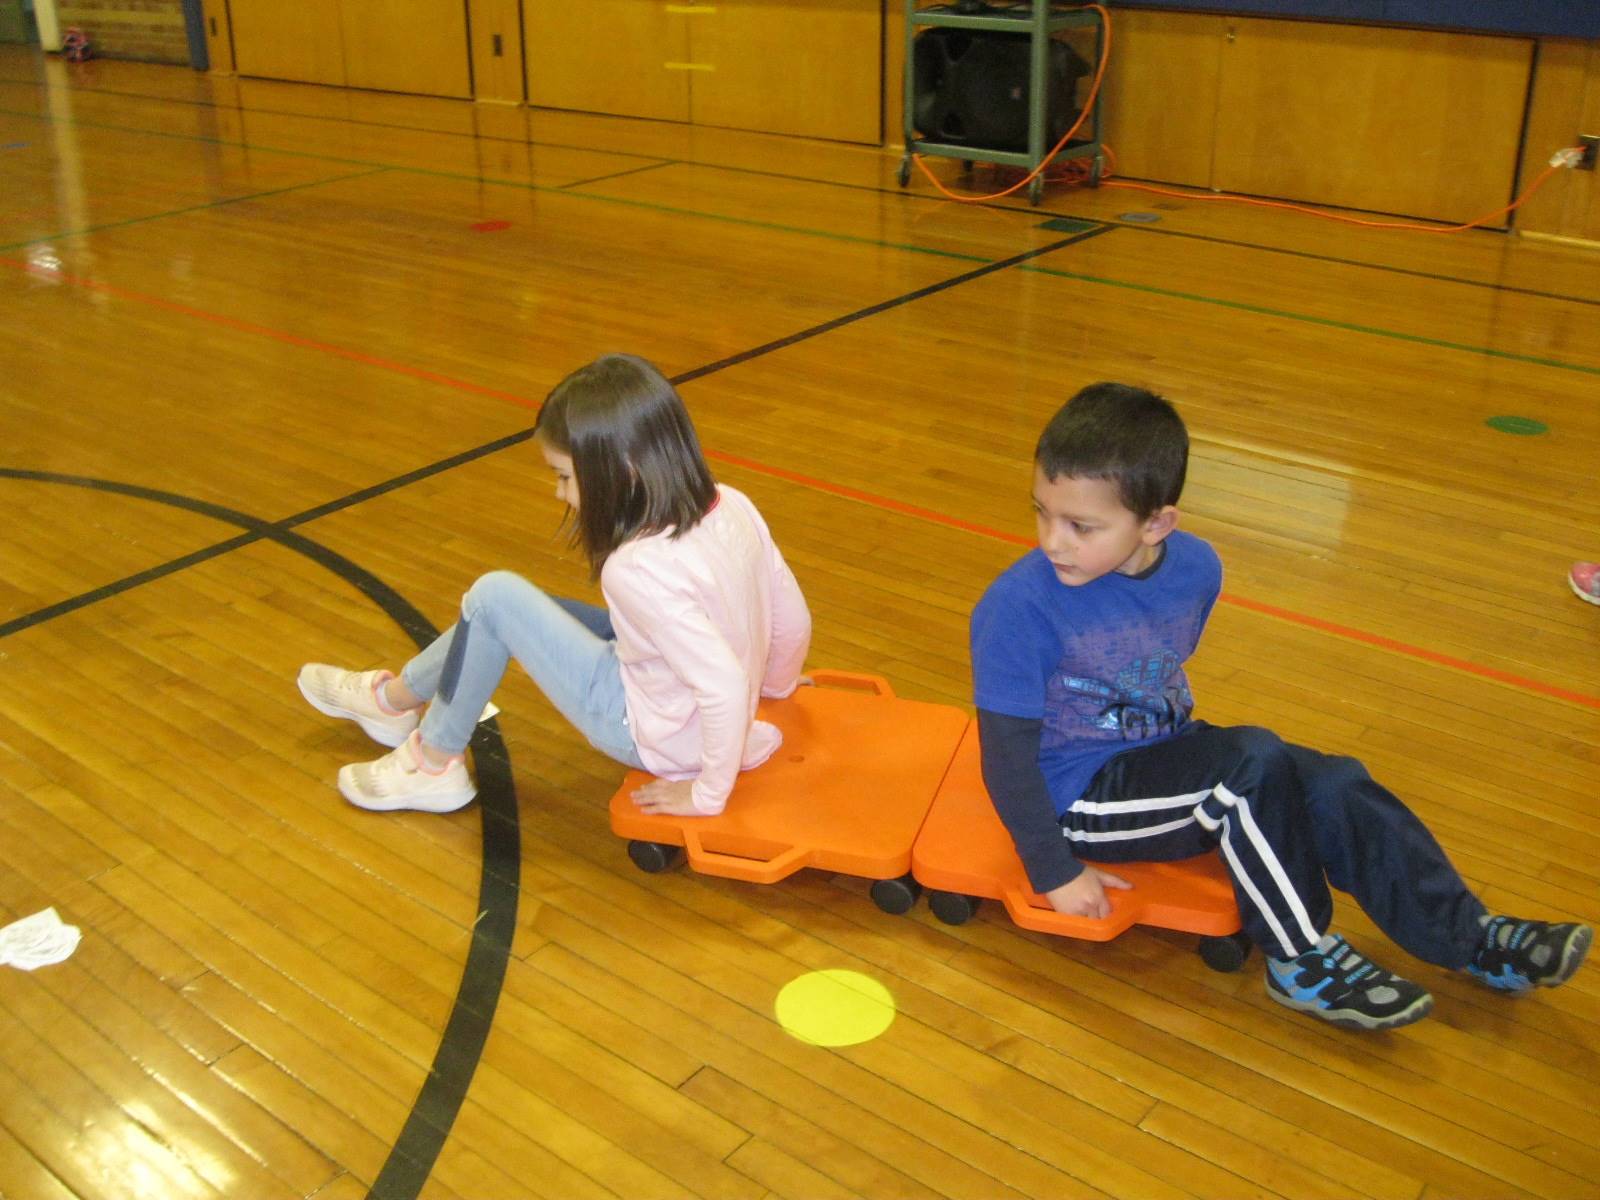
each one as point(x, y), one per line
point(1124, 434)
point(635, 456)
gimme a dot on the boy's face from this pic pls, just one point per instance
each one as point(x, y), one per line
point(1085, 531)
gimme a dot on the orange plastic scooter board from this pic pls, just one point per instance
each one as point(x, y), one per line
point(964, 854)
point(847, 792)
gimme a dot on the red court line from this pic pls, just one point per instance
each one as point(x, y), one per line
point(277, 335)
point(1256, 606)
point(885, 503)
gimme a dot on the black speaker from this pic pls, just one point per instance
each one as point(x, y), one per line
point(970, 88)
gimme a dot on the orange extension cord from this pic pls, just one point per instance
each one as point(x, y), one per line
point(1566, 157)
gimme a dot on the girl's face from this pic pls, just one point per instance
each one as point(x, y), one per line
point(566, 482)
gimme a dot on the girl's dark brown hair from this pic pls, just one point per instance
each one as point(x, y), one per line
point(635, 457)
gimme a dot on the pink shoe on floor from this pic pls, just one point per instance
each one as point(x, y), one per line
point(1585, 580)
point(353, 696)
point(402, 780)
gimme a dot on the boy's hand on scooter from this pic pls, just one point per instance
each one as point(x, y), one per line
point(665, 797)
point(1086, 896)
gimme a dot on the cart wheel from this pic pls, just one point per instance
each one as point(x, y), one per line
point(896, 896)
point(905, 170)
point(1225, 953)
point(653, 857)
point(952, 907)
point(1097, 170)
point(1036, 190)
point(967, 166)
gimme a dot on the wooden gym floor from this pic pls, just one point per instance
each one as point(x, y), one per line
point(264, 392)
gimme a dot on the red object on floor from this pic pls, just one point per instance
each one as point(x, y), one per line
point(964, 849)
point(490, 226)
point(847, 791)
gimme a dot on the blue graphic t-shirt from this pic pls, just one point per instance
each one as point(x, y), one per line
point(1102, 664)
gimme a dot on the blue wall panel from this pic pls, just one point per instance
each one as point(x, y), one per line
point(1569, 18)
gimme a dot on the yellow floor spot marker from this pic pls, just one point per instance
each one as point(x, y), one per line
point(834, 1008)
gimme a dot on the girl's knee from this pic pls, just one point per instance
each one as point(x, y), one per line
point(494, 591)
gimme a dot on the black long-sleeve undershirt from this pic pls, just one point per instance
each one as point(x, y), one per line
point(1010, 754)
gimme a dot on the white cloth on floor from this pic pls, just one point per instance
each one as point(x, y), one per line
point(37, 941)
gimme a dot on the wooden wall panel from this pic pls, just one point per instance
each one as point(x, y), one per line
point(497, 69)
point(413, 46)
point(1160, 94)
point(1565, 102)
point(275, 40)
point(1390, 120)
point(607, 56)
point(806, 67)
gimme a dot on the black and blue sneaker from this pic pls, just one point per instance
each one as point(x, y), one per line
point(1517, 956)
point(1337, 984)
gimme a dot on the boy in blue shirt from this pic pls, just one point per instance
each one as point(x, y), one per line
point(1089, 746)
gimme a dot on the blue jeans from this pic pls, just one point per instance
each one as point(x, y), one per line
point(568, 647)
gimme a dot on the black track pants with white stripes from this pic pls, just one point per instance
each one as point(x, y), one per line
point(1289, 823)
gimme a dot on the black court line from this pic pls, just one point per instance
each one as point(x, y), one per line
point(461, 1043)
point(885, 305)
point(266, 529)
point(258, 528)
point(433, 1113)
point(878, 188)
point(671, 162)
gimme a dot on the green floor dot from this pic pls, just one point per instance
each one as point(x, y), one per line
point(1521, 426)
point(834, 1008)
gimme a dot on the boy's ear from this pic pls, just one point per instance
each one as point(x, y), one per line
point(1162, 522)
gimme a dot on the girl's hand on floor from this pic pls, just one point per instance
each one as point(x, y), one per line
point(665, 797)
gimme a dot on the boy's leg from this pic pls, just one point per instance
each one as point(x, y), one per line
point(1377, 850)
point(503, 616)
point(1238, 789)
point(1374, 847)
point(1208, 787)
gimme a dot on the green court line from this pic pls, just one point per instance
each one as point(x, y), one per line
point(41, 85)
point(1307, 318)
point(1259, 310)
point(458, 176)
point(178, 212)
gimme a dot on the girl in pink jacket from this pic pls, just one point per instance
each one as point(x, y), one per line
point(702, 618)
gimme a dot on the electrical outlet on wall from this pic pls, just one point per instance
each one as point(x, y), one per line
point(1591, 149)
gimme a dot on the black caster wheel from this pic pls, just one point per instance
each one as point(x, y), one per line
point(1097, 170)
point(896, 896)
point(1036, 190)
point(952, 907)
point(905, 170)
point(966, 168)
point(653, 856)
point(1225, 953)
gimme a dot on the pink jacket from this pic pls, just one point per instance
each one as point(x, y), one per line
point(706, 625)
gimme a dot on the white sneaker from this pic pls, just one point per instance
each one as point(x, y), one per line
point(352, 696)
point(400, 780)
